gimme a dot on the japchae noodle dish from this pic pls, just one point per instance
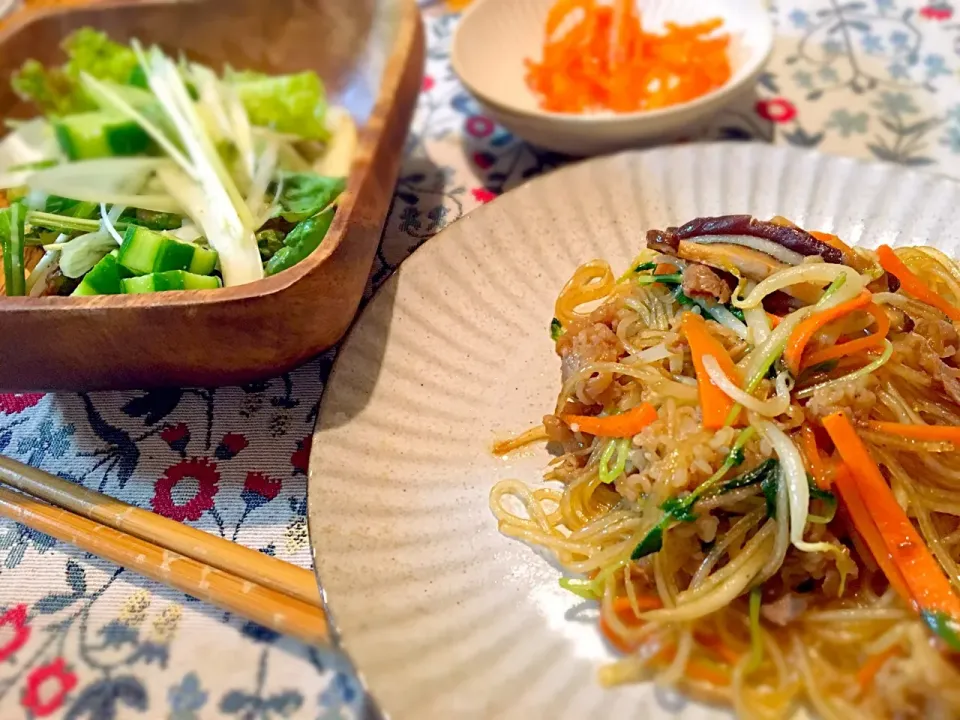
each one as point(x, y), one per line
point(757, 471)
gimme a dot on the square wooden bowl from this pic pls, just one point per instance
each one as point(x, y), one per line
point(369, 54)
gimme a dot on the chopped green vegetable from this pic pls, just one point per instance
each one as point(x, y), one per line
point(944, 627)
point(622, 447)
point(269, 243)
point(294, 104)
point(756, 641)
point(556, 329)
point(827, 498)
point(171, 280)
point(583, 588)
point(751, 477)
point(674, 279)
point(682, 298)
point(99, 134)
point(58, 90)
point(681, 509)
point(153, 220)
point(104, 279)
point(644, 267)
point(145, 251)
point(11, 237)
point(736, 312)
point(302, 240)
point(770, 485)
point(303, 195)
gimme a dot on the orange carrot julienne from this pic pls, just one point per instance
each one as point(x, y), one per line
point(925, 580)
point(714, 403)
point(932, 433)
point(913, 285)
point(624, 425)
point(716, 645)
point(809, 327)
point(874, 340)
point(868, 671)
point(774, 320)
point(621, 604)
point(853, 501)
point(624, 610)
point(596, 55)
point(696, 668)
point(808, 443)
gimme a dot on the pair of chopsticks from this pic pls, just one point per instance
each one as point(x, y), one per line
point(272, 593)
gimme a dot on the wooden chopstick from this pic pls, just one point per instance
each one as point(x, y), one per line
point(209, 549)
point(263, 605)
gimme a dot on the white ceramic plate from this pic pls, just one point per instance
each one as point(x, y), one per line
point(444, 617)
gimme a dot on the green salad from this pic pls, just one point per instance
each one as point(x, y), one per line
point(146, 173)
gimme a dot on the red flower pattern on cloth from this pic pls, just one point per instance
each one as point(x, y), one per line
point(428, 83)
point(47, 686)
point(18, 402)
point(301, 456)
point(479, 126)
point(936, 11)
point(202, 470)
point(261, 484)
point(15, 617)
point(778, 110)
point(231, 444)
point(483, 195)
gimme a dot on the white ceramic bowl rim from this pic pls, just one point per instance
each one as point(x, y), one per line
point(756, 61)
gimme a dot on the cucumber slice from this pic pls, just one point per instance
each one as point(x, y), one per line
point(204, 261)
point(144, 251)
point(104, 279)
point(99, 134)
point(172, 280)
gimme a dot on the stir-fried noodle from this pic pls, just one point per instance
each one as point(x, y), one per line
point(756, 469)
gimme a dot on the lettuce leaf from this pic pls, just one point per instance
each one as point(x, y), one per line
point(293, 104)
point(303, 195)
point(58, 90)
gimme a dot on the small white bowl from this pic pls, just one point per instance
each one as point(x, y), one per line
point(495, 37)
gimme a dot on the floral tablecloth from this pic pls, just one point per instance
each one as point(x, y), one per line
point(80, 638)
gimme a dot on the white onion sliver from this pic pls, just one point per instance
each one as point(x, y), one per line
point(655, 353)
point(819, 273)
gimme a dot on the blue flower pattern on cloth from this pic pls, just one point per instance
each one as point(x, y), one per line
point(877, 79)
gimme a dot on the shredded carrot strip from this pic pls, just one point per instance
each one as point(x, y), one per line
point(932, 433)
point(597, 56)
point(852, 347)
point(808, 443)
point(624, 425)
point(928, 586)
point(665, 269)
point(714, 403)
point(867, 529)
point(869, 670)
point(811, 325)
point(696, 669)
point(624, 610)
point(718, 647)
point(913, 285)
point(774, 320)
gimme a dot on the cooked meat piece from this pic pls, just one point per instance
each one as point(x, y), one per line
point(701, 281)
point(594, 343)
point(784, 609)
point(661, 241)
point(749, 263)
point(940, 335)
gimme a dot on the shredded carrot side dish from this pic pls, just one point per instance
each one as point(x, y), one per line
point(597, 56)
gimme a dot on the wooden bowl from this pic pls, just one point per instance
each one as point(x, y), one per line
point(369, 54)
